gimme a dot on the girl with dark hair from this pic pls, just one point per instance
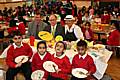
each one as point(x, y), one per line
point(40, 57)
point(87, 31)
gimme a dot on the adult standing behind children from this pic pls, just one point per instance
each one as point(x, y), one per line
point(36, 26)
point(54, 28)
point(72, 31)
point(18, 49)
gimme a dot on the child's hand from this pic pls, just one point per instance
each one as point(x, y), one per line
point(19, 64)
point(88, 74)
point(43, 79)
point(58, 70)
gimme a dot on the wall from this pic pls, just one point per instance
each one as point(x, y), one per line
point(19, 3)
point(82, 3)
point(10, 4)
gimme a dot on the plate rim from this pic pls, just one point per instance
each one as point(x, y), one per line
point(81, 69)
point(36, 71)
point(50, 62)
point(21, 56)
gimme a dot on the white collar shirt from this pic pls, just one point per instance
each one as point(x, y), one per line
point(42, 56)
point(77, 31)
point(60, 57)
point(15, 46)
point(83, 56)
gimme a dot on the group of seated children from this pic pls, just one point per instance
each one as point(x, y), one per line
point(80, 60)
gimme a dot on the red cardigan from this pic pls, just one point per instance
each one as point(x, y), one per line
point(12, 53)
point(64, 65)
point(114, 38)
point(37, 63)
point(87, 63)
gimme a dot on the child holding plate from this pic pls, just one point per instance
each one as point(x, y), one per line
point(40, 57)
point(62, 61)
point(18, 56)
point(82, 61)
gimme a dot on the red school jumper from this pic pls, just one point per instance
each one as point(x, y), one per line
point(37, 62)
point(15, 52)
point(86, 63)
point(63, 64)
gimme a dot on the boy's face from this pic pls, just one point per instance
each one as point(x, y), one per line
point(81, 50)
point(17, 40)
point(41, 49)
point(59, 48)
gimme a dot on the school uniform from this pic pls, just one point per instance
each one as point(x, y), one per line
point(14, 52)
point(85, 62)
point(63, 64)
point(114, 40)
point(38, 60)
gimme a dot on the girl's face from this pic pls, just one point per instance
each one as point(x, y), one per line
point(59, 48)
point(41, 49)
point(87, 26)
point(81, 50)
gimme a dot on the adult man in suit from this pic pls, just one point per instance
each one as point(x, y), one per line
point(54, 28)
point(36, 26)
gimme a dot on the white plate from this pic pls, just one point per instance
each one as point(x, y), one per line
point(37, 75)
point(99, 46)
point(50, 66)
point(22, 59)
point(79, 72)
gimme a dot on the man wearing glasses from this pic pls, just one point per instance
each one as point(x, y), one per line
point(54, 28)
point(13, 60)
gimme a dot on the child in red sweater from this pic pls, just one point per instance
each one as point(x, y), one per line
point(64, 66)
point(83, 60)
point(40, 57)
point(16, 50)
